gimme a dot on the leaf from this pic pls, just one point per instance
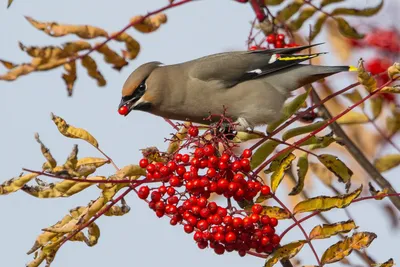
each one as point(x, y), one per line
point(376, 106)
point(130, 170)
point(328, 2)
point(391, 89)
point(118, 210)
point(15, 184)
point(98, 162)
point(70, 77)
point(285, 252)
point(277, 176)
point(51, 162)
point(289, 109)
point(132, 46)
point(72, 48)
point(304, 15)
point(387, 162)
point(324, 203)
point(272, 2)
point(366, 12)
point(176, 140)
point(275, 212)
point(302, 130)
point(16, 72)
point(262, 153)
point(378, 194)
point(90, 65)
point(318, 26)
point(9, 3)
point(111, 57)
point(343, 248)
point(322, 173)
point(394, 70)
point(388, 263)
point(328, 230)
point(353, 117)
point(7, 64)
point(56, 30)
point(149, 24)
point(288, 11)
point(336, 166)
point(72, 132)
point(302, 169)
point(354, 97)
point(346, 30)
point(246, 136)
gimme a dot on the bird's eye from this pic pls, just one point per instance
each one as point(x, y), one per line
point(141, 88)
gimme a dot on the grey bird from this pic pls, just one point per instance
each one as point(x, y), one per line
point(251, 85)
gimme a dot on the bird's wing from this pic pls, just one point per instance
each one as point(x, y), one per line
point(232, 68)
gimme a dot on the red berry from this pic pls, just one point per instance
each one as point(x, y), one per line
point(160, 213)
point(227, 220)
point(174, 181)
point(151, 168)
point(203, 163)
point(273, 222)
point(213, 207)
point(156, 175)
point(198, 236)
point(195, 162)
point(123, 110)
point(245, 164)
point(271, 38)
point(223, 185)
point(185, 158)
point(143, 192)
point(257, 209)
point(254, 218)
point(178, 157)
point(172, 166)
point(222, 212)
point(155, 196)
point(173, 200)
point(143, 163)
point(199, 153)
point(173, 221)
point(265, 219)
point(188, 228)
point(279, 44)
point(204, 212)
point(219, 249)
point(238, 178)
point(213, 160)
point(181, 170)
point(247, 153)
point(253, 48)
point(237, 222)
point(223, 165)
point(275, 239)
point(218, 236)
point(202, 225)
point(230, 237)
point(242, 253)
point(225, 157)
point(164, 170)
point(268, 230)
point(211, 172)
point(265, 190)
point(247, 222)
point(209, 150)
point(236, 166)
point(280, 37)
point(193, 131)
point(170, 191)
point(265, 240)
point(202, 244)
point(233, 187)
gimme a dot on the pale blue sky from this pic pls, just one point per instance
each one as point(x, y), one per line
point(138, 238)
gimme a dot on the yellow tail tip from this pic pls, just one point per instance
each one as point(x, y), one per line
point(353, 68)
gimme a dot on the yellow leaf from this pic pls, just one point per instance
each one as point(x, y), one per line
point(288, 110)
point(366, 78)
point(394, 70)
point(328, 2)
point(275, 212)
point(387, 162)
point(328, 230)
point(336, 166)
point(130, 170)
point(376, 106)
point(90, 65)
point(56, 30)
point(52, 163)
point(16, 72)
point(302, 130)
point(111, 57)
point(70, 77)
point(343, 248)
point(304, 15)
point(72, 132)
point(262, 153)
point(149, 24)
point(324, 203)
point(176, 140)
point(354, 97)
point(302, 169)
point(98, 162)
point(378, 194)
point(272, 2)
point(72, 159)
point(7, 64)
point(246, 136)
point(388, 263)
point(278, 175)
point(285, 252)
point(346, 30)
point(318, 26)
point(391, 89)
point(393, 123)
point(353, 117)
point(132, 46)
point(15, 184)
point(118, 210)
point(288, 11)
point(93, 234)
point(366, 12)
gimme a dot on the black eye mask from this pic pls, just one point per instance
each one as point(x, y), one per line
point(138, 93)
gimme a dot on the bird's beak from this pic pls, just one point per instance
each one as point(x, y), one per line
point(129, 104)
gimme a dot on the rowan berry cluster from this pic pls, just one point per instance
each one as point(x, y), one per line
point(275, 41)
point(189, 180)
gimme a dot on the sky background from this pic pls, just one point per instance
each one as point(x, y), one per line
point(138, 238)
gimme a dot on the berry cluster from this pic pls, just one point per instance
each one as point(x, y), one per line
point(278, 41)
point(187, 182)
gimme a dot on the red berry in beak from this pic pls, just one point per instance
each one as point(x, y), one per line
point(123, 110)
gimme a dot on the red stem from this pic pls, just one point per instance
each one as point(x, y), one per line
point(260, 14)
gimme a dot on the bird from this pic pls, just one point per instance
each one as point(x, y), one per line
point(250, 87)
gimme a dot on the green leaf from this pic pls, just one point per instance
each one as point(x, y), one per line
point(302, 169)
point(341, 249)
point(336, 166)
point(288, 11)
point(272, 2)
point(275, 212)
point(262, 153)
point(278, 175)
point(387, 162)
point(304, 15)
point(289, 109)
point(317, 142)
point(324, 203)
point(245, 136)
point(328, 230)
point(366, 12)
point(302, 130)
point(346, 30)
point(285, 252)
point(318, 26)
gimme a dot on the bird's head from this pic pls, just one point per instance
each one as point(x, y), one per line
point(135, 95)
